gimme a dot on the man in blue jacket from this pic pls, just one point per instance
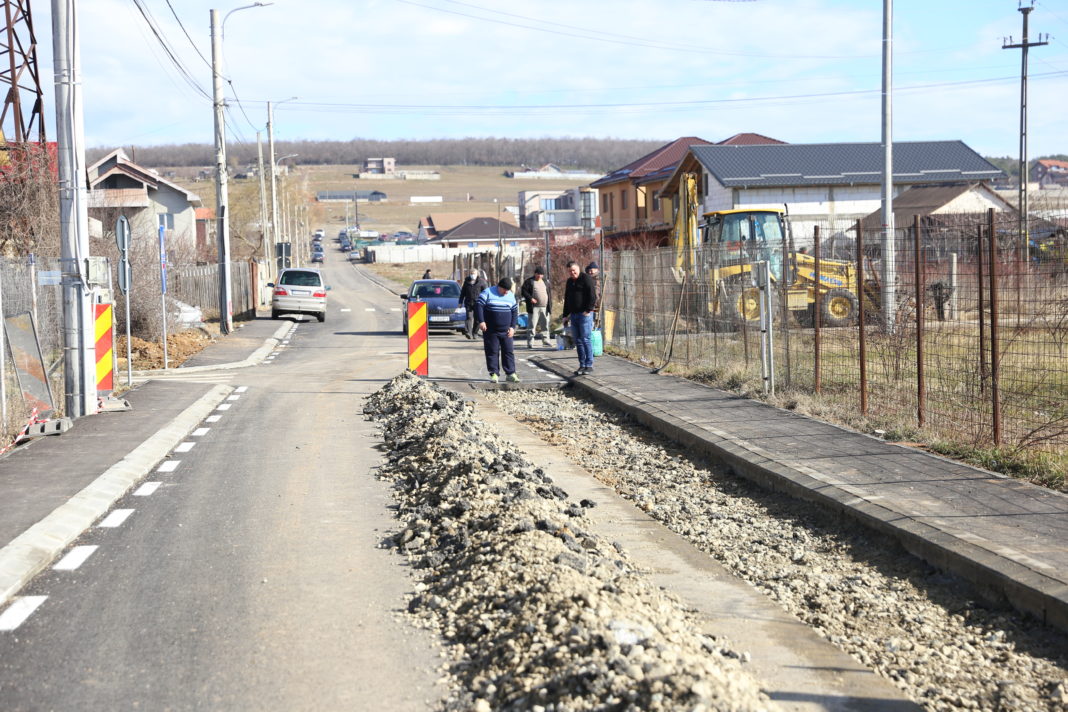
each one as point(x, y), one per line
point(498, 315)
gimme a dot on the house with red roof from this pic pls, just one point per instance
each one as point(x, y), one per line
point(1049, 173)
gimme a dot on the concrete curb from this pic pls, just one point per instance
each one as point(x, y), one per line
point(34, 549)
point(254, 359)
point(995, 576)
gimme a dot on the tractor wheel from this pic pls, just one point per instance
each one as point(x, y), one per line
point(838, 307)
point(740, 304)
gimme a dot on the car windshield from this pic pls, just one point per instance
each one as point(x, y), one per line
point(300, 279)
point(439, 289)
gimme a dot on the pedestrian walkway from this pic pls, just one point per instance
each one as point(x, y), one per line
point(1007, 537)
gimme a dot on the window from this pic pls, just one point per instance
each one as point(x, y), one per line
point(604, 202)
point(548, 203)
point(166, 220)
point(655, 202)
point(300, 278)
point(623, 199)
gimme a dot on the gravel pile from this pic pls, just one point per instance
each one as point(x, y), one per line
point(536, 612)
point(911, 624)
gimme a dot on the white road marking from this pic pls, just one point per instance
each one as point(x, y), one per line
point(233, 397)
point(184, 447)
point(169, 466)
point(75, 558)
point(200, 432)
point(19, 611)
point(116, 518)
point(147, 489)
point(224, 406)
point(396, 309)
point(213, 419)
point(241, 389)
point(369, 309)
point(345, 310)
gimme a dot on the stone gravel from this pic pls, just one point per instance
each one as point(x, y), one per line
point(536, 612)
point(924, 630)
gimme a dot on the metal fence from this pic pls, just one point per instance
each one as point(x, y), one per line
point(973, 348)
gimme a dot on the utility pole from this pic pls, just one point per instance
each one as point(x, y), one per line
point(274, 187)
point(226, 321)
point(889, 271)
point(1023, 46)
point(79, 348)
point(268, 250)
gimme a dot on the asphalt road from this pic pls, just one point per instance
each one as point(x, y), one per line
point(250, 577)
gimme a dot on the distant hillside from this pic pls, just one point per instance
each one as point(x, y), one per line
point(597, 154)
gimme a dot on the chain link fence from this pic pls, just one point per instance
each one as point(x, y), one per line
point(972, 348)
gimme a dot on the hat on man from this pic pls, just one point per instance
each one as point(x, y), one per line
point(592, 265)
point(505, 284)
point(539, 270)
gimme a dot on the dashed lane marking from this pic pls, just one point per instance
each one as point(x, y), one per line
point(396, 309)
point(369, 309)
point(116, 518)
point(224, 406)
point(184, 447)
point(233, 397)
point(169, 466)
point(200, 432)
point(19, 611)
point(213, 419)
point(75, 558)
point(345, 310)
point(147, 489)
point(241, 389)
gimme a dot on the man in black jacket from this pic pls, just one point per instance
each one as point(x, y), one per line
point(537, 297)
point(473, 286)
point(579, 299)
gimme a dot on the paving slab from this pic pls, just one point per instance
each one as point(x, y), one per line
point(1007, 537)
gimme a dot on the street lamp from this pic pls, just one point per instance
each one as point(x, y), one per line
point(226, 311)
point(271, 159)
point(285, 227)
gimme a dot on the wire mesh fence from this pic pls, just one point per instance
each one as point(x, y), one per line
point(960, 330)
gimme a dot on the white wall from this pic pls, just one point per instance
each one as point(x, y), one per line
point(430, 253)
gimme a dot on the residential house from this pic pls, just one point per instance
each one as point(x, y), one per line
point(486, 232)
point(380, 166)
point(1049, 173)
point(551, 171)
point(434, 225)
point(835, 183)
point(118, 186)
point(564, 212)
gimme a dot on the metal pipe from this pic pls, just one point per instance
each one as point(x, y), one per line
point(921, 394)
point(982, 325)
point(889, 271)
point(817, 375)
point(222, 230)
point(862, 338)
point(995, 356)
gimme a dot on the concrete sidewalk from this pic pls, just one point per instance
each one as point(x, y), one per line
point(1005, 536)
point(54, 487)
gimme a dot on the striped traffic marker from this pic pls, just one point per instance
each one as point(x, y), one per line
point(417, 339)
point(105, 375)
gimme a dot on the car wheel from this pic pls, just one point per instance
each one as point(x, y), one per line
point(275, 314)
point(321, 316)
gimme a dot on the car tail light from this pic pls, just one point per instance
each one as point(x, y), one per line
point(280, 292)
point(320, 293)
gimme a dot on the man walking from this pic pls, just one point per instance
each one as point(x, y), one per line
point(498, 315)
point(536, 296)
point(579, 300)
point(472, 287)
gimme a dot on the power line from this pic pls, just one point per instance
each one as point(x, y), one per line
point(187, 35)
point(169, 51)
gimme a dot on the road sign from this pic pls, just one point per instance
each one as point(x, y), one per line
point(418, 361)
point(122, 234)
point(124, 275)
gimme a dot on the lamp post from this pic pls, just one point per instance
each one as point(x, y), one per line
point(271, 160)
point(226, 321)
point(285, 226)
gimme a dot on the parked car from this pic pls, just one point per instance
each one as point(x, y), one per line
point(346, 244)
point(443, 307)
point(317, 257)
point(357, 256)
point(403, 235)
point(299, 291)
point(319, 234)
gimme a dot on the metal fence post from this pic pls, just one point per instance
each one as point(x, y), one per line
point(862, 340)
point(995, 356)
point(816, 372)
point(982, 321)
point(919, 276)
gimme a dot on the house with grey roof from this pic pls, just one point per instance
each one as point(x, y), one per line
point(831, 184)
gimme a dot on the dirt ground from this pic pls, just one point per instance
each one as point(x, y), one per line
point(180, 347)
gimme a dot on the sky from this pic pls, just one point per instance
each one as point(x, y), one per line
point(802, 71)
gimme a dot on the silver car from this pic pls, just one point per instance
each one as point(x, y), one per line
point(299, 291)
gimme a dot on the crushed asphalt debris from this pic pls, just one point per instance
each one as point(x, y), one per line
point(536, 612)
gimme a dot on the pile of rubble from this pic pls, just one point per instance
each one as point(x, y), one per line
point(912, 624)
point(536, 612)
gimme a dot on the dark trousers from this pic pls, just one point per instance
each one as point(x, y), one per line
point(499, 344)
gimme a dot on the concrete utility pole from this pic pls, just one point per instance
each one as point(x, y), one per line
point(79, 348)
point(226, 318)
point(889, 271)
point(1024, 177)
point(268, 250)
point(274, 188)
